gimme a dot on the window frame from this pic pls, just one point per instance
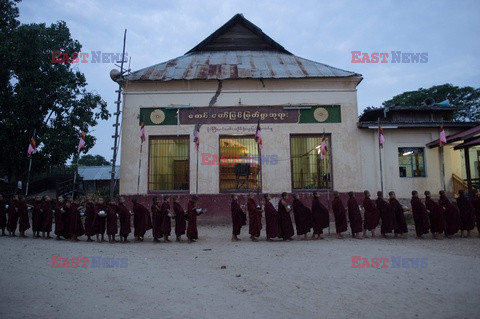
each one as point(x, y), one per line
point(413, 163)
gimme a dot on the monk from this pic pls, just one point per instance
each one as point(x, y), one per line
point(420, 215)
point(37, 213)
point(66, 221)
point(47, 211)
point(354, 216)
point(320, 217)
point(140, 213)
point(237, 217)
point(387, 215)
point(3, 215)
point(254, 218)
point(89, 218)
point(156, 220)
point(100, 220)
point(59, 220)
point(302, 216)
point(13, 216)
point(476, 205)
point(23, 220)
point(180, 223)
point(192, 231)
point(75, 219)
point(272, 220)
point(112, 221)
point(166, 214)
point(371, 215)
point(339, 212)
point(286, 225)
point(435, 211)
point(401, 223)
point(451, 215)
point(467, 214)
point(124, 217)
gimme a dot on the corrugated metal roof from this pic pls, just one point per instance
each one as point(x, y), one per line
point(97, 173)
point(222, 65)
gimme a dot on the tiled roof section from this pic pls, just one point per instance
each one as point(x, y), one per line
point(97, 173)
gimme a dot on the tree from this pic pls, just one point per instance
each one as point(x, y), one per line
point(93, 160)
point(462, 97)
point(50, 98)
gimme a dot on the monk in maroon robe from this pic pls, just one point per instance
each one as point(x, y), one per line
point(476, 205)
point(166, 214)
point(157, 220)
point(59, 220)
point(125, 222)
point(371, 216)
point(400, 221)
point(100, 219)
point(435, 211)
point(47, 211)
point(237, 218)
point(3, 215)
point(75, 219)
point(387, 215)
point(23, 219)
point(140, 213)
point(320, 217)
point(89, 218)
point(37, 213)
point(420, 215)
point(354, 216)
point(254, 218)
point(340, 214)
point(467, 214)
point(180, 222)
point(286, 225)
point(451, 215)
point(192, 231)
point(13, 216)
point(302, 216)
point(112, 221)
point(272, 220)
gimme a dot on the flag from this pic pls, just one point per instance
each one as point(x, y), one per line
point(142, 132)
point(196, 136)
point(258, 136)
point(323, 147)
point(32, 147)
point(381, 137)
point(81, 142)
point(443, 137)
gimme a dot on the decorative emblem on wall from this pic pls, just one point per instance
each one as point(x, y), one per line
point(157, 116)
point(320, 114)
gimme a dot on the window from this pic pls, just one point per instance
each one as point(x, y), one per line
point(411, 162)
point(239, 163)
point(168, 163)
point(309, 171)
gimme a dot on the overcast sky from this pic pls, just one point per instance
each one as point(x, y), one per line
point(323, 31)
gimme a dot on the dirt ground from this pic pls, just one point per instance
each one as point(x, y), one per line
point(298, 279)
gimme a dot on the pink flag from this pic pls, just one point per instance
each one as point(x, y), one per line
point(196, 137)
point(142, 132)
point(381, 137)
point(32, 147)
point(81, 142)
point(443, 137)
point(258, 136)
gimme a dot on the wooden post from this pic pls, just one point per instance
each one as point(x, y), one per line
point(467, 169)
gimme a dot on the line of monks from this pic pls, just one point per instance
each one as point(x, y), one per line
point(442, 217)
point(112, 218)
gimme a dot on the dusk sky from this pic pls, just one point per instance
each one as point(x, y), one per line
point(322, 31)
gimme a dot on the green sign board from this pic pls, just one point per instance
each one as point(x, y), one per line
point(158, 116)
point(321, 114)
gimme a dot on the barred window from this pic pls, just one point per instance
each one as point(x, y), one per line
point(309, 170)
point(168, 163)
point(411, 162)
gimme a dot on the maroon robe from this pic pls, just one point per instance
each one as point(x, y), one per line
point(237, 217)
point(23, 220)
point(157, 220)
point(371, 214)
point(451, 215)
point(420, 216)
point(47, 216)
point(180, 223)
point(166, 220)
point(320, 216)
point(37, 216)
point(89, 218)
point(140, 213)
point(13, 216)
point(400, 221)
point(59, 220)
point(286, 225)
point(467, 213)
point(437, 222)
point(476, 206)
point(75, 221)
point(302, 216)
point(254, 218)
point(387, 215)
point(124, 217)
point(354, 216)
point(100, 222)
point(112, 218)
point(65, 216)
point(3, 215)
point(339, 213)
point(272, 221)
point(192, 231)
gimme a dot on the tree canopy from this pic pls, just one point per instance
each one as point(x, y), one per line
point(93, 160)
point(37, 94)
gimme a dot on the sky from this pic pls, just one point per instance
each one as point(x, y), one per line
point(322, 31)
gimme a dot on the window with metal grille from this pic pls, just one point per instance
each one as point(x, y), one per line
point(168, 163)
point(309, 169)
point(239, 163)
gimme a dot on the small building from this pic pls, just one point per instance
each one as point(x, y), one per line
point(97, 178)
